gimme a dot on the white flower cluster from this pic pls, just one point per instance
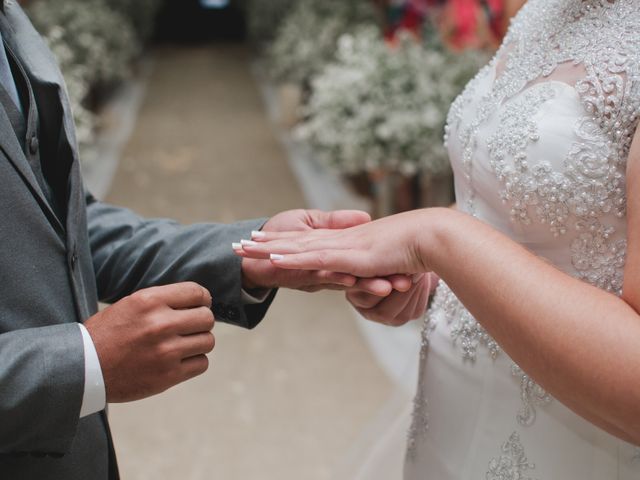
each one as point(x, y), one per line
point(94, 43)
point(382, 107)
point(307, 38)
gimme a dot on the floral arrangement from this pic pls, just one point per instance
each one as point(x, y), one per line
point(307, 39)
point(381, 107)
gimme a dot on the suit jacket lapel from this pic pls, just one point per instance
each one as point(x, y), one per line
point(12, 150)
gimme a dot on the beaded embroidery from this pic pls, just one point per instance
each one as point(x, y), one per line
point(532, 396)
point(512, 464)
point(466, 332)
point(603, 39)
point(420, 414)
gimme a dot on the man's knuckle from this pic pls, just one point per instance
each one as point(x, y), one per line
point(144, 299)
point(159, 326)
point(168, 354)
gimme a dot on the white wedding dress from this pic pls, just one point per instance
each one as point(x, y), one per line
point(538, 142)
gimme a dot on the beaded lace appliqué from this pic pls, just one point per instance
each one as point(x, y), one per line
point(512, 464)
point(469, 336)
point(466, 332)
point(420, 414)
point(532, 396)
point(603, 39)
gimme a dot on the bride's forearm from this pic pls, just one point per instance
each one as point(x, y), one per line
point(579, 342)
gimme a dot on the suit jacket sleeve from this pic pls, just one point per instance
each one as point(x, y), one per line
point(41, 385)
point(130, 253)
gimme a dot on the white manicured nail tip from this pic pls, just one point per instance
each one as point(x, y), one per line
point(275, 256)
point(248, 243)
point(236, 246)
point(256, 234)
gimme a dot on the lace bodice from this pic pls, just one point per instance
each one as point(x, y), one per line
point(538, 142)
point(540, 138)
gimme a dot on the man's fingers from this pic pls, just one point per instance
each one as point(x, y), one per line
point(379, 287)
point(324, 277)
point(197, 344)
point(194, 366)
point(401, 283)
point(363, 300)
point(194, 320)
point(389, 309)
point(177, 295)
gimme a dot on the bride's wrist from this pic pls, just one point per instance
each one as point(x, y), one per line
point(431, 238)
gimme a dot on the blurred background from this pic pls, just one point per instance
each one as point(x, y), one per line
point(222, 110)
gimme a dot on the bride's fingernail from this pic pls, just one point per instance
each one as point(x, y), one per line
point(248, 243)
point(276, 257)
point(236, 246)
point(257, 234)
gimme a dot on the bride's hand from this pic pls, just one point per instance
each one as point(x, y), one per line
point(385, 247)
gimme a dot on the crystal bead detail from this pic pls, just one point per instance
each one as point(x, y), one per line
point(512, 464)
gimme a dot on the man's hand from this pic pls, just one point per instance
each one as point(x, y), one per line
point(262, 274)
point(153, 340)
point(399, 307)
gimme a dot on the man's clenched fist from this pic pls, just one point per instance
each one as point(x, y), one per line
point(152, 340)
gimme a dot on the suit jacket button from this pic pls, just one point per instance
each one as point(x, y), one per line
point(73, 259)
point(34, 144)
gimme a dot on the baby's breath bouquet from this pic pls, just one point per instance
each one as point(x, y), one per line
point(307, 38)
point(382, 107)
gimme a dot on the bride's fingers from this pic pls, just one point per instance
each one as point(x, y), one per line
point(263, 250)
point(289, 246)
point(356, 262)
point(262, 237)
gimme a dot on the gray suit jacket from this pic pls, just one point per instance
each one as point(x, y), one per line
point(53, 271)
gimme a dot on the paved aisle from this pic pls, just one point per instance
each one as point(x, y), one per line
point(287, 400)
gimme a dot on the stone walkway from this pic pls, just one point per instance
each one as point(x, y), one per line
point(289, 399)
